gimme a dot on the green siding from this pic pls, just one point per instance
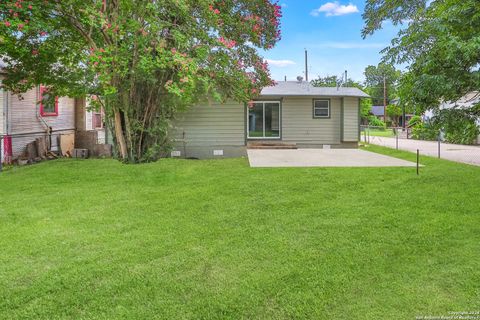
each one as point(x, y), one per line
point(212, 125)
point(298, 125)
point(350, 119)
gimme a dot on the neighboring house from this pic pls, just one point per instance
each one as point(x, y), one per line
point(289, 114)
point(27, 117)
point(90, 120)
point(465, 102)
point(378, 111)
point(23, 119)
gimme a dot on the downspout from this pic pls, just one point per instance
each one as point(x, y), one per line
point(48, 128)
point(6, 126)
point(39, 116)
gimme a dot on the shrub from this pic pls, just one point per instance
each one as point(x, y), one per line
point(375, 122)
point(414, 121)
point(459, 125)
point(425, 131)
point(462, 133)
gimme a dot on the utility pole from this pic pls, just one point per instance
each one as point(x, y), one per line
point(384, 99)
point(306, 65)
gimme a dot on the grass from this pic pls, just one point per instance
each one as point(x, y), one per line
point(96, 239)
point(380, 132)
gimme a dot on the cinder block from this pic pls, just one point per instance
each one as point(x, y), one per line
point(102, 150)
point(80, 153)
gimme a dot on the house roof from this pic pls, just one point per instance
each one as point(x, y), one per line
point(377, 110)
point(465, 102)
point(295, 88)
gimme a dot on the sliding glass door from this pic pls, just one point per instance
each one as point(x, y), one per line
point(264, 120)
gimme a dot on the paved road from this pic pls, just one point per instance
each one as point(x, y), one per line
point(453, 152)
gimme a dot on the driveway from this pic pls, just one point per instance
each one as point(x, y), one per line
point(322, 158)
point(453, 152)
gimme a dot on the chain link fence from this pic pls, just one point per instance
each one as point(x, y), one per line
point(401, 139)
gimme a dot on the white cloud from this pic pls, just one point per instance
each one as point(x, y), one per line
point(280, 63)
point(284, 5)
point(350, 45)
point(335, 9)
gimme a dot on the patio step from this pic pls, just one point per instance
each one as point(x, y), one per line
point(270, 145)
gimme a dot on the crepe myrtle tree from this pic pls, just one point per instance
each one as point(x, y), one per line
point(145, 60)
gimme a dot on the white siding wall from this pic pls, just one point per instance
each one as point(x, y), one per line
point(89, 120)
point(299, 126)
point(350, 119)
point(24, 119)
point(212, 125)
point(2, 110)
point(2, 119)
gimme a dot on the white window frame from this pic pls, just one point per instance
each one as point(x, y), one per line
point(279, 121)
point(321, 108)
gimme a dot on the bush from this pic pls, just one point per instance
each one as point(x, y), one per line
point(375, 122)
point(459, 125)
point(424, 131)
point(462, 133)
point(414, 121)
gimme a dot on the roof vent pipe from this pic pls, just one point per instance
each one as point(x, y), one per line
point(306, 65)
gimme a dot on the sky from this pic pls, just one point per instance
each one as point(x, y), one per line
point(331, 32)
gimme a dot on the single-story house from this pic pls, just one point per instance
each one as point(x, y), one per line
point(290, 114)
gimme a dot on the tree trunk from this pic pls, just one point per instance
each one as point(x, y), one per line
point(120, 136)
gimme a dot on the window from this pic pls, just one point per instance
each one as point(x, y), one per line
point(264, 120)
point(48, 106)
point(321, 108)
point(97, 120)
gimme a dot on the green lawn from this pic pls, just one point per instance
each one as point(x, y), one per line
point(96, 239)
point(380, 132)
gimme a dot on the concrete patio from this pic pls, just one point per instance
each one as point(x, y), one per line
point(322, 158)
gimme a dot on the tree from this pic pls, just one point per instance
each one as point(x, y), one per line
point(333, 81)
point(440, 44)
point(327, 81)
point(145, 60)
point(394, 111)
point(374, 82)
